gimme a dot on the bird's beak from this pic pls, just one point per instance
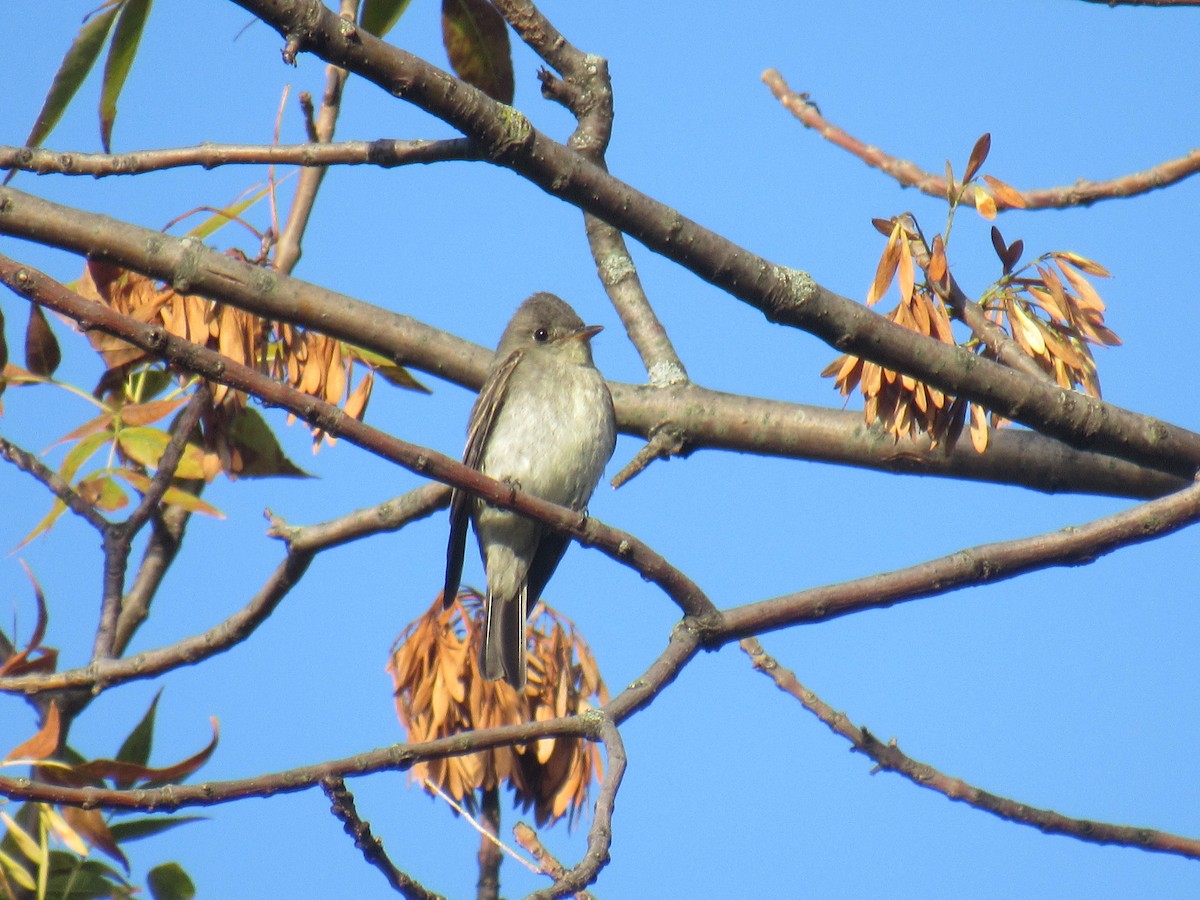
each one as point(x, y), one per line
point(586, 333)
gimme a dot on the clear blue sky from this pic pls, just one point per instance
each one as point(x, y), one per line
point(1069, 689)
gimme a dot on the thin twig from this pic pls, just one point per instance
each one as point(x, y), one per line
point(27, 462)
point(909, 174)
point(985, 564)
point(383, 153)
point(397, 757)
point(118, 536)
point(532, 844)
point(888, 757)
point(586, 91)
point(344, 809)
point(474, 823)
point(599, 838)
point(287, 250)
point(391, 515)
point(162, 545)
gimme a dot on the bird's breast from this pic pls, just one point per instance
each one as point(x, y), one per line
point(553, 438)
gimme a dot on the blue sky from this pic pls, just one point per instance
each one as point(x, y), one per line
point(1069, 689)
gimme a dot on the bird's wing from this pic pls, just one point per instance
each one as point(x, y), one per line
point(545, 560)
point(483, 415)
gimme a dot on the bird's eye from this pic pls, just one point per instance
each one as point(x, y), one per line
point(541, 335)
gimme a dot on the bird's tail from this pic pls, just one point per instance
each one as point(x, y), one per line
point(503, 653)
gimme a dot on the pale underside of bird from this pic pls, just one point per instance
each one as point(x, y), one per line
point(544, 424)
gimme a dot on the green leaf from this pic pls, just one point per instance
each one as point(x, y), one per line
point(81, 452)
point(136, 747)
point(147, 445)
point(71, 73)
point(100, 490)
point(126, 37)
point(149, 382)
point(378, 16)
point(220, 219)
point(170, 882)
point(17, 872)
point(476, 40)
point(56, 510)
point(72, 878)
point(135, 829)
point(173, 496)
point(396, 375)
point(262, 456)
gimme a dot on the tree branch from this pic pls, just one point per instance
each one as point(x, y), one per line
point(287, 251)
point(708, 418)
point(344, 810)
point(619, 545)
point(384, 153)
point(105, 673)
point(586, 91)
point(27, 462)
point(986, 564)
point(397, 757)
point(118, 536)
point(909, 174)
point(889, 757)
point(783, 295)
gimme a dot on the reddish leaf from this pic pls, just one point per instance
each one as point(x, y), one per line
point(937, 260)
point(131, 773)
point(16, 664)
point(476, 40)
point(978, 154)
point(884, 226)
point(998, 244)
point(42, 744)
point(1015, 249)
point(90, 823)
point(42, 353)
point(1007, 194)
point(152, 411)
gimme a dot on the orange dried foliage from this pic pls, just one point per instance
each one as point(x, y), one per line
point(308, 361)
point(903, 405)
point(440, 692)
point(1053, 318)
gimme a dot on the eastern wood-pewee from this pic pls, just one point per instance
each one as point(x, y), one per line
point(543, 423)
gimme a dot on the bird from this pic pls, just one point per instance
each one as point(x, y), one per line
point(544, 424)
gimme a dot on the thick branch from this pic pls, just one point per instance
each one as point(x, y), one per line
point(709, 418)
point(783, 295)
point(890, 758)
